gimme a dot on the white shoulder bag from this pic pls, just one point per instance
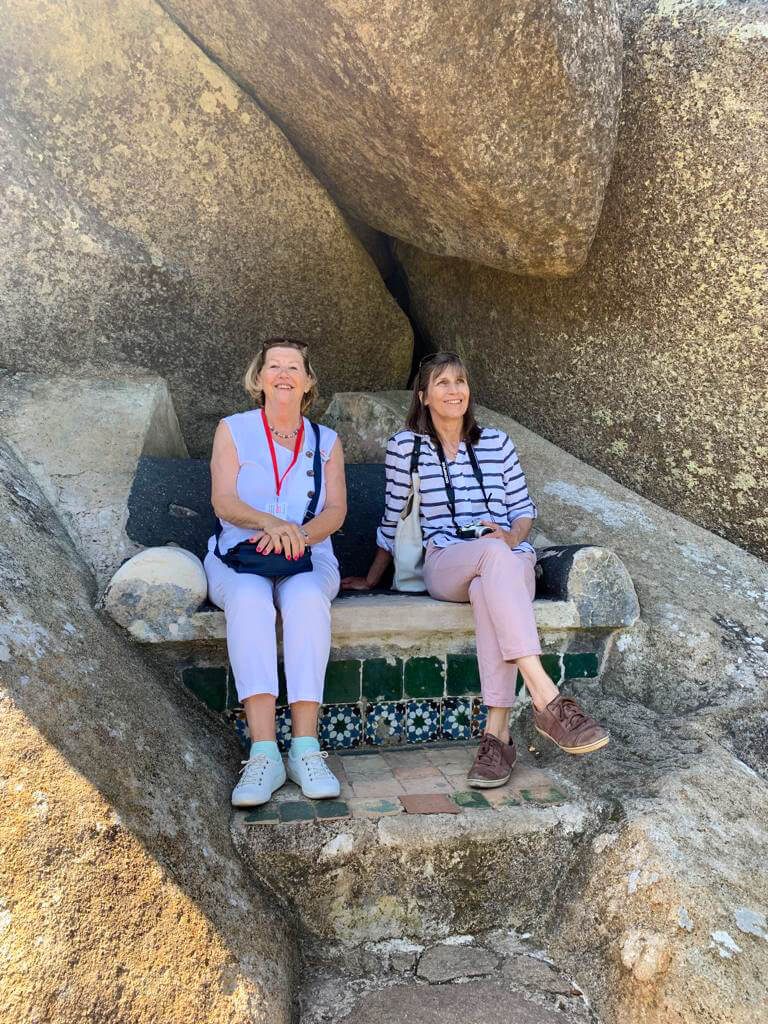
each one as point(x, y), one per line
point(409, 544)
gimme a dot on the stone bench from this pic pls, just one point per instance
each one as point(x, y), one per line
point(394, 656)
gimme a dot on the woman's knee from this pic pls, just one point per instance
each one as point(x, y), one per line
point(249, 597)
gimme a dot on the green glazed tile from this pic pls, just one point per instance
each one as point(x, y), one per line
point(551, 665)
point(509, 801)
point(209, 684)
point(265, 815)
point(331, 809)
point(424, 677)
point(296, 810)
point(462, 675)
point(382, 680)
point(543, 796)
point(342, 682)
point(519, 684)
point(474, 801)
point(581, 666)
point(232, 700)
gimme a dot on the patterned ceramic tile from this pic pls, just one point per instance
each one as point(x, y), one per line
point(267, 814)
point(283, 728)
point(236, 719)
point(472, 801)
point(479, 717)
point(422, 721)
point(457, 718)
point(341, 726)
point(384, 723)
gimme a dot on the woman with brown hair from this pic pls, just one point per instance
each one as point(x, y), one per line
point(279, 492)
point(475, 517)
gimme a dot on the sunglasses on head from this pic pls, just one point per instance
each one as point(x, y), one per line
point(283, 343)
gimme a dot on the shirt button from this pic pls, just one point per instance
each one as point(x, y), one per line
point(310, 472)
point(310, 494)
point(309, 454)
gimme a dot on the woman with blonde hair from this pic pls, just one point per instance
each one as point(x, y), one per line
point(475, 517)
point(278, 490)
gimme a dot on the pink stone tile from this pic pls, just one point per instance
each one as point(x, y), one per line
point(454, 755)
point(500, 796)
point(407, 771)
point(528, 778)
point(364, 764)
point(431, 803)
point(376, 787)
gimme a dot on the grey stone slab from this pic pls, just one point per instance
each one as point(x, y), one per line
point(475, 1002)
point(447, 962)
point(537, 974)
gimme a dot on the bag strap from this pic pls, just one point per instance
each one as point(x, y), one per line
point(449, 491)
point(415, 454)
point(317, 469)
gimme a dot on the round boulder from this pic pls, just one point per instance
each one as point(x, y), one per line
point(156, 587)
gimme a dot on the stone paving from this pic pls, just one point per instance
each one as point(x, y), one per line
point(409, 781)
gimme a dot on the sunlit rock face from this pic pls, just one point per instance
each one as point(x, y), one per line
point(153, 216)
point(470, 129)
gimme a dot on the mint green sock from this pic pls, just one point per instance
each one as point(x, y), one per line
point(301, 745)
point(268, 747)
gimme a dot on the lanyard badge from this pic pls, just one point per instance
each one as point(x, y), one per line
point(280, 508)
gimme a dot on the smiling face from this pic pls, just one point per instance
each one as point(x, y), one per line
point(283, 379)
point(447, 394)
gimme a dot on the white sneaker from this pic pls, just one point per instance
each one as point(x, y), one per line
point(310, 771)
point(260, 776)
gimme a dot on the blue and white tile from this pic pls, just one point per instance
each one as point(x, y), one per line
point(422, 721)
point(341, 726)
point(384, 723)
point(236, 720)
point(457, 718)
point(479, 717)
point(283, 728)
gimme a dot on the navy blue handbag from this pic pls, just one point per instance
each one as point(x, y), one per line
point(244, 557)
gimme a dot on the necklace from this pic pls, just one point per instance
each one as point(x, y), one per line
point(285, 437)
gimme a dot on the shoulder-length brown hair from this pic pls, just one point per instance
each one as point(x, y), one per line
point(256, 365)
point(419, 418)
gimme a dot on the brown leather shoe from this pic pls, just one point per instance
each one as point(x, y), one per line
point(572, 729)
point(493, 764)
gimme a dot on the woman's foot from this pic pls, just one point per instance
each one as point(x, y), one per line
point(310, 771)
point(493, 764)
point(260, 776)
point(572, 729)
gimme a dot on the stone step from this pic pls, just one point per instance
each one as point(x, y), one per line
point(497, 977)
point(410, 851)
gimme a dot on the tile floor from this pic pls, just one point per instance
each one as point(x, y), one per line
point(375, 784)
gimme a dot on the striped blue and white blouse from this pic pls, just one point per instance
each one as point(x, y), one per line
point(503, 479)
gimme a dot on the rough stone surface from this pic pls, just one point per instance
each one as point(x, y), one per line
point(650, 363)
point(153, 216)
point(536, 974)
point(121, 896)
point(449, 962)
point(476, 1002)
point(81, 438)
point(650, 913)
point(497, 149)
point(158, 585)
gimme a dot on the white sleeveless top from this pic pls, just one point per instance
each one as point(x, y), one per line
point(256, 479)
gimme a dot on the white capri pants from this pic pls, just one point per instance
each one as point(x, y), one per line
point(249, 603)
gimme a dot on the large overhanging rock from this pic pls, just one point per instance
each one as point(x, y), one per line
point(122, 898)
point(153, 215)
point(470, 129)
point(650, 363)
point(81, 438)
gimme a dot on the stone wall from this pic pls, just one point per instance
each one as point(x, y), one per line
point(650, 363)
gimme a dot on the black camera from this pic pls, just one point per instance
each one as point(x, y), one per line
point(473, 531)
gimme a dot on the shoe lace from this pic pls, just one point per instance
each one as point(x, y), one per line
point(253, 769)
point(488, 753)
point(316, 766)
point(570, 713)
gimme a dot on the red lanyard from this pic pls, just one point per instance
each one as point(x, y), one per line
point(297, 449)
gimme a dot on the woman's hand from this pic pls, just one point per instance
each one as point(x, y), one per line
point(512, 537)
point(281, 537)
point(355, 583)
point(498, 532)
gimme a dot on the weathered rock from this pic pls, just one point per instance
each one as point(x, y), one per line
point(478, 130)
point(81, 439)
point(153, 216)
point(650, 363)
point(448, 962)
point(537, 975)
point(121, 895)
point(159, 585)
point(476, 1002)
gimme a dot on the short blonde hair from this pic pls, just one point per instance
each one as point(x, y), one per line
point(256, 365)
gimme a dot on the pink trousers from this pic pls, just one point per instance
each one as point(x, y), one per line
point(500, 585)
